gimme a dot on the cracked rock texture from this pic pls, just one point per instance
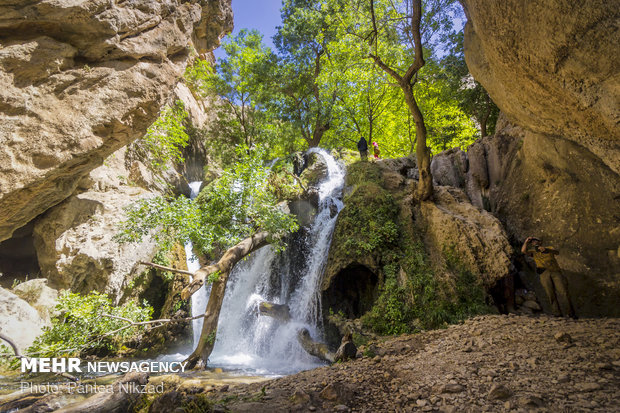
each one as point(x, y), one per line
point(552, 67)
point(553, 168)
point(80, 80)
point(475, 236)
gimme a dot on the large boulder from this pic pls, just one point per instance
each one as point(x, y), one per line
point(554, 189)
point(19, 320)
point(459, 230)
point(82, 79)
point(74, 240)
point(552, 67)
point(41, 297)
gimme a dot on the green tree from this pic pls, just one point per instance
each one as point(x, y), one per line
point(241, 91)
point(302, 48)
point(472, 97)
point(165, 138)
point(383, 32)
point(232, 217)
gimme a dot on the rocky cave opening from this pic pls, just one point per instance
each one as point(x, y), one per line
point(18, 257)
point(352, 291)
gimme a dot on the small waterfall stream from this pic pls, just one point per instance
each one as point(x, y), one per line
point(199, 300)
point(262, 345)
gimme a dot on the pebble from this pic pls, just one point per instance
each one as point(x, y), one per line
point(503, 369)
point(563, 337)
point(452, 388)
point(587, 387)
point(563, 378)
point(499, 392)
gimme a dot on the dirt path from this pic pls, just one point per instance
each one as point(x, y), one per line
point(489, 363)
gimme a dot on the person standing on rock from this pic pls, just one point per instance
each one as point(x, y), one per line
point(376, 150)
point(551, 277)
point(362, 146)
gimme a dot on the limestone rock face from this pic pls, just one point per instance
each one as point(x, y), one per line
point(475, 236)
point(41, 297)
point(82, 79)
point(552, 67)
point(19, 320)
point(554, 189)
point(74, 239)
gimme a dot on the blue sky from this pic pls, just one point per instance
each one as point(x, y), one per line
point(263, 15)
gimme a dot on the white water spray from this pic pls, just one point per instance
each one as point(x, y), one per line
point(199, 299)
point(263, 345)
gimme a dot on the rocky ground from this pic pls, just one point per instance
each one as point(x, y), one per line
point(489, 363)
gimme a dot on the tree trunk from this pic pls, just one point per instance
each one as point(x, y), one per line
point(212, 314)
point(423, 152)
point(406, 81)
point(317, 135)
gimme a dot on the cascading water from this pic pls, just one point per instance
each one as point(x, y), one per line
point(199, 299)
point(263, 345)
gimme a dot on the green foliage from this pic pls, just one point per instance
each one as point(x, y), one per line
point(243, 82)
point(319, 85)
point(469, 296)
point(411, 297)
point(283, 182)
point(233, 207)
point(80, 327)
point(213, 277)
point(198, 403)
point(199, 76)
point(363, 172)
point(368, 223)
point(391, 314)
point(165, 138)
point(163, 258)
point(211, 338)
point(471, 97)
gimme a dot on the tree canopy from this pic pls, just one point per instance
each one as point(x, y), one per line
point(320, 86)
point(237, 205)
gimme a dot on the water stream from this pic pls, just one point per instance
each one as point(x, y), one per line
point(263, 345)
point(199, 300)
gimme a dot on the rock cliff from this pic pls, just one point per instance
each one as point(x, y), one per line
point(552, 169)
point(81, 79)
point(552, 67)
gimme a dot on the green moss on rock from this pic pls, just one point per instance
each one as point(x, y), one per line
point(376, 229)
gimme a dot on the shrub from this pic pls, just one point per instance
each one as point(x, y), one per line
point(80, 327)
point(165, 138)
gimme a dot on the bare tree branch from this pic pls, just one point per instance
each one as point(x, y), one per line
point(162, 267)
point(19, 355)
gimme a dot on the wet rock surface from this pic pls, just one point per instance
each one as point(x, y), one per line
point(489, 363)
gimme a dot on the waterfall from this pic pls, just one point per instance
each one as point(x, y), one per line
point(199, 299)
point(263, 345)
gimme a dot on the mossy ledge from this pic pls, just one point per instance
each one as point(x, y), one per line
point(377, 232)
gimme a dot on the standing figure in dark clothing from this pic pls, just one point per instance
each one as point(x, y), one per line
point(362, 146)
point(551, 277)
